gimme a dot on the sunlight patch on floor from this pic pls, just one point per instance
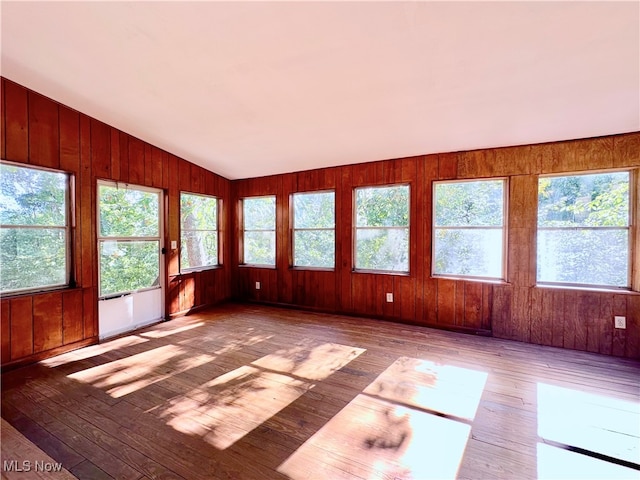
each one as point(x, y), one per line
point(225, 409)
point(597, 423)
point(163, 331)
point(555, 463)
point(394, 428)
point(310, 361)
point(374, 439)
point(440, 388)
point(94, 350)
point(121, 377)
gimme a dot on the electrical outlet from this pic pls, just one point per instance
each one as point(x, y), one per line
point(257, 285)
point(620, 322)
point(389, 297)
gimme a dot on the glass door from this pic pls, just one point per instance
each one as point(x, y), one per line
point(131, 290)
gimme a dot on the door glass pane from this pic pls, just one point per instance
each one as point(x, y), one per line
point(128, 213)
point(128, 265)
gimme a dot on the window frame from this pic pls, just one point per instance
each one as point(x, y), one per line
point(633, 237)
point(69, 230)
point(355, 228)
point(101, 239)
point(504, 227)
point(243, 230)
point(218, 263)
point(293, 229)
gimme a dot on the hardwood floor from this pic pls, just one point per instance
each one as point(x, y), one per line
point(253, 392)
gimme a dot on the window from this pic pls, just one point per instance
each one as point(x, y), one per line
point(259, 227)
point(198, 231)
point(128, 239)
point(34, 229)
point(382, 228)
point(583, 230)
point(468, 228)
point(314, 236)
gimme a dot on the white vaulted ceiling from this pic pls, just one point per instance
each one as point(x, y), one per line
point(247, 89)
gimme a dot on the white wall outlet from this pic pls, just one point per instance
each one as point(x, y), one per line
point(620, 322)
point(389, 297)
point(257, 285)
point(174, 244)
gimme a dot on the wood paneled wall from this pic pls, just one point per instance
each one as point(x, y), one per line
point(517, 309)
point(41, 132)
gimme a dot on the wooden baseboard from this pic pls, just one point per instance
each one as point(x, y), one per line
point(36, 357)
point(449, 328)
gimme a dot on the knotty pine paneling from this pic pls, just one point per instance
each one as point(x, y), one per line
point(39, 131)
point(516, 309)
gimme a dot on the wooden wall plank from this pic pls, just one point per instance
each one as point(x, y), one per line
point(472, 305)
point(136, 161)
point(72, 312)
point(115, 154)
point(148, 165)
point(87, 213)
point(446, 295)
point(619, 346)
point(69, 140)
point(124, 158)
point(44, 134)
point(626, 150)
point(3, 118)
point(100, 150)
point(156, 161)
point(606, 318)
point(21, 327)
point(16, 122)
point(47, 321)
point(89, 312)
point(5, 332)
point(632, 348)
point(447, 166)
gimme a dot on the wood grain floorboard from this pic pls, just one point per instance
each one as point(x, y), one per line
point(255, 392)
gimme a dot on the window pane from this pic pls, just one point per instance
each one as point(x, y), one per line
point(260, 248)
point(314, 248)
point(260, 213)
point(600, 200)
point(383, 249)
point(32, 258)
point(470, 203)
point(32, 197)
point(198, 248)
point(128, 213)
point(314, 210)
point(468, 252)
point(127, 266)
point(198, 212)
point(382, 207)
point(199, 231)
point(591, 257)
